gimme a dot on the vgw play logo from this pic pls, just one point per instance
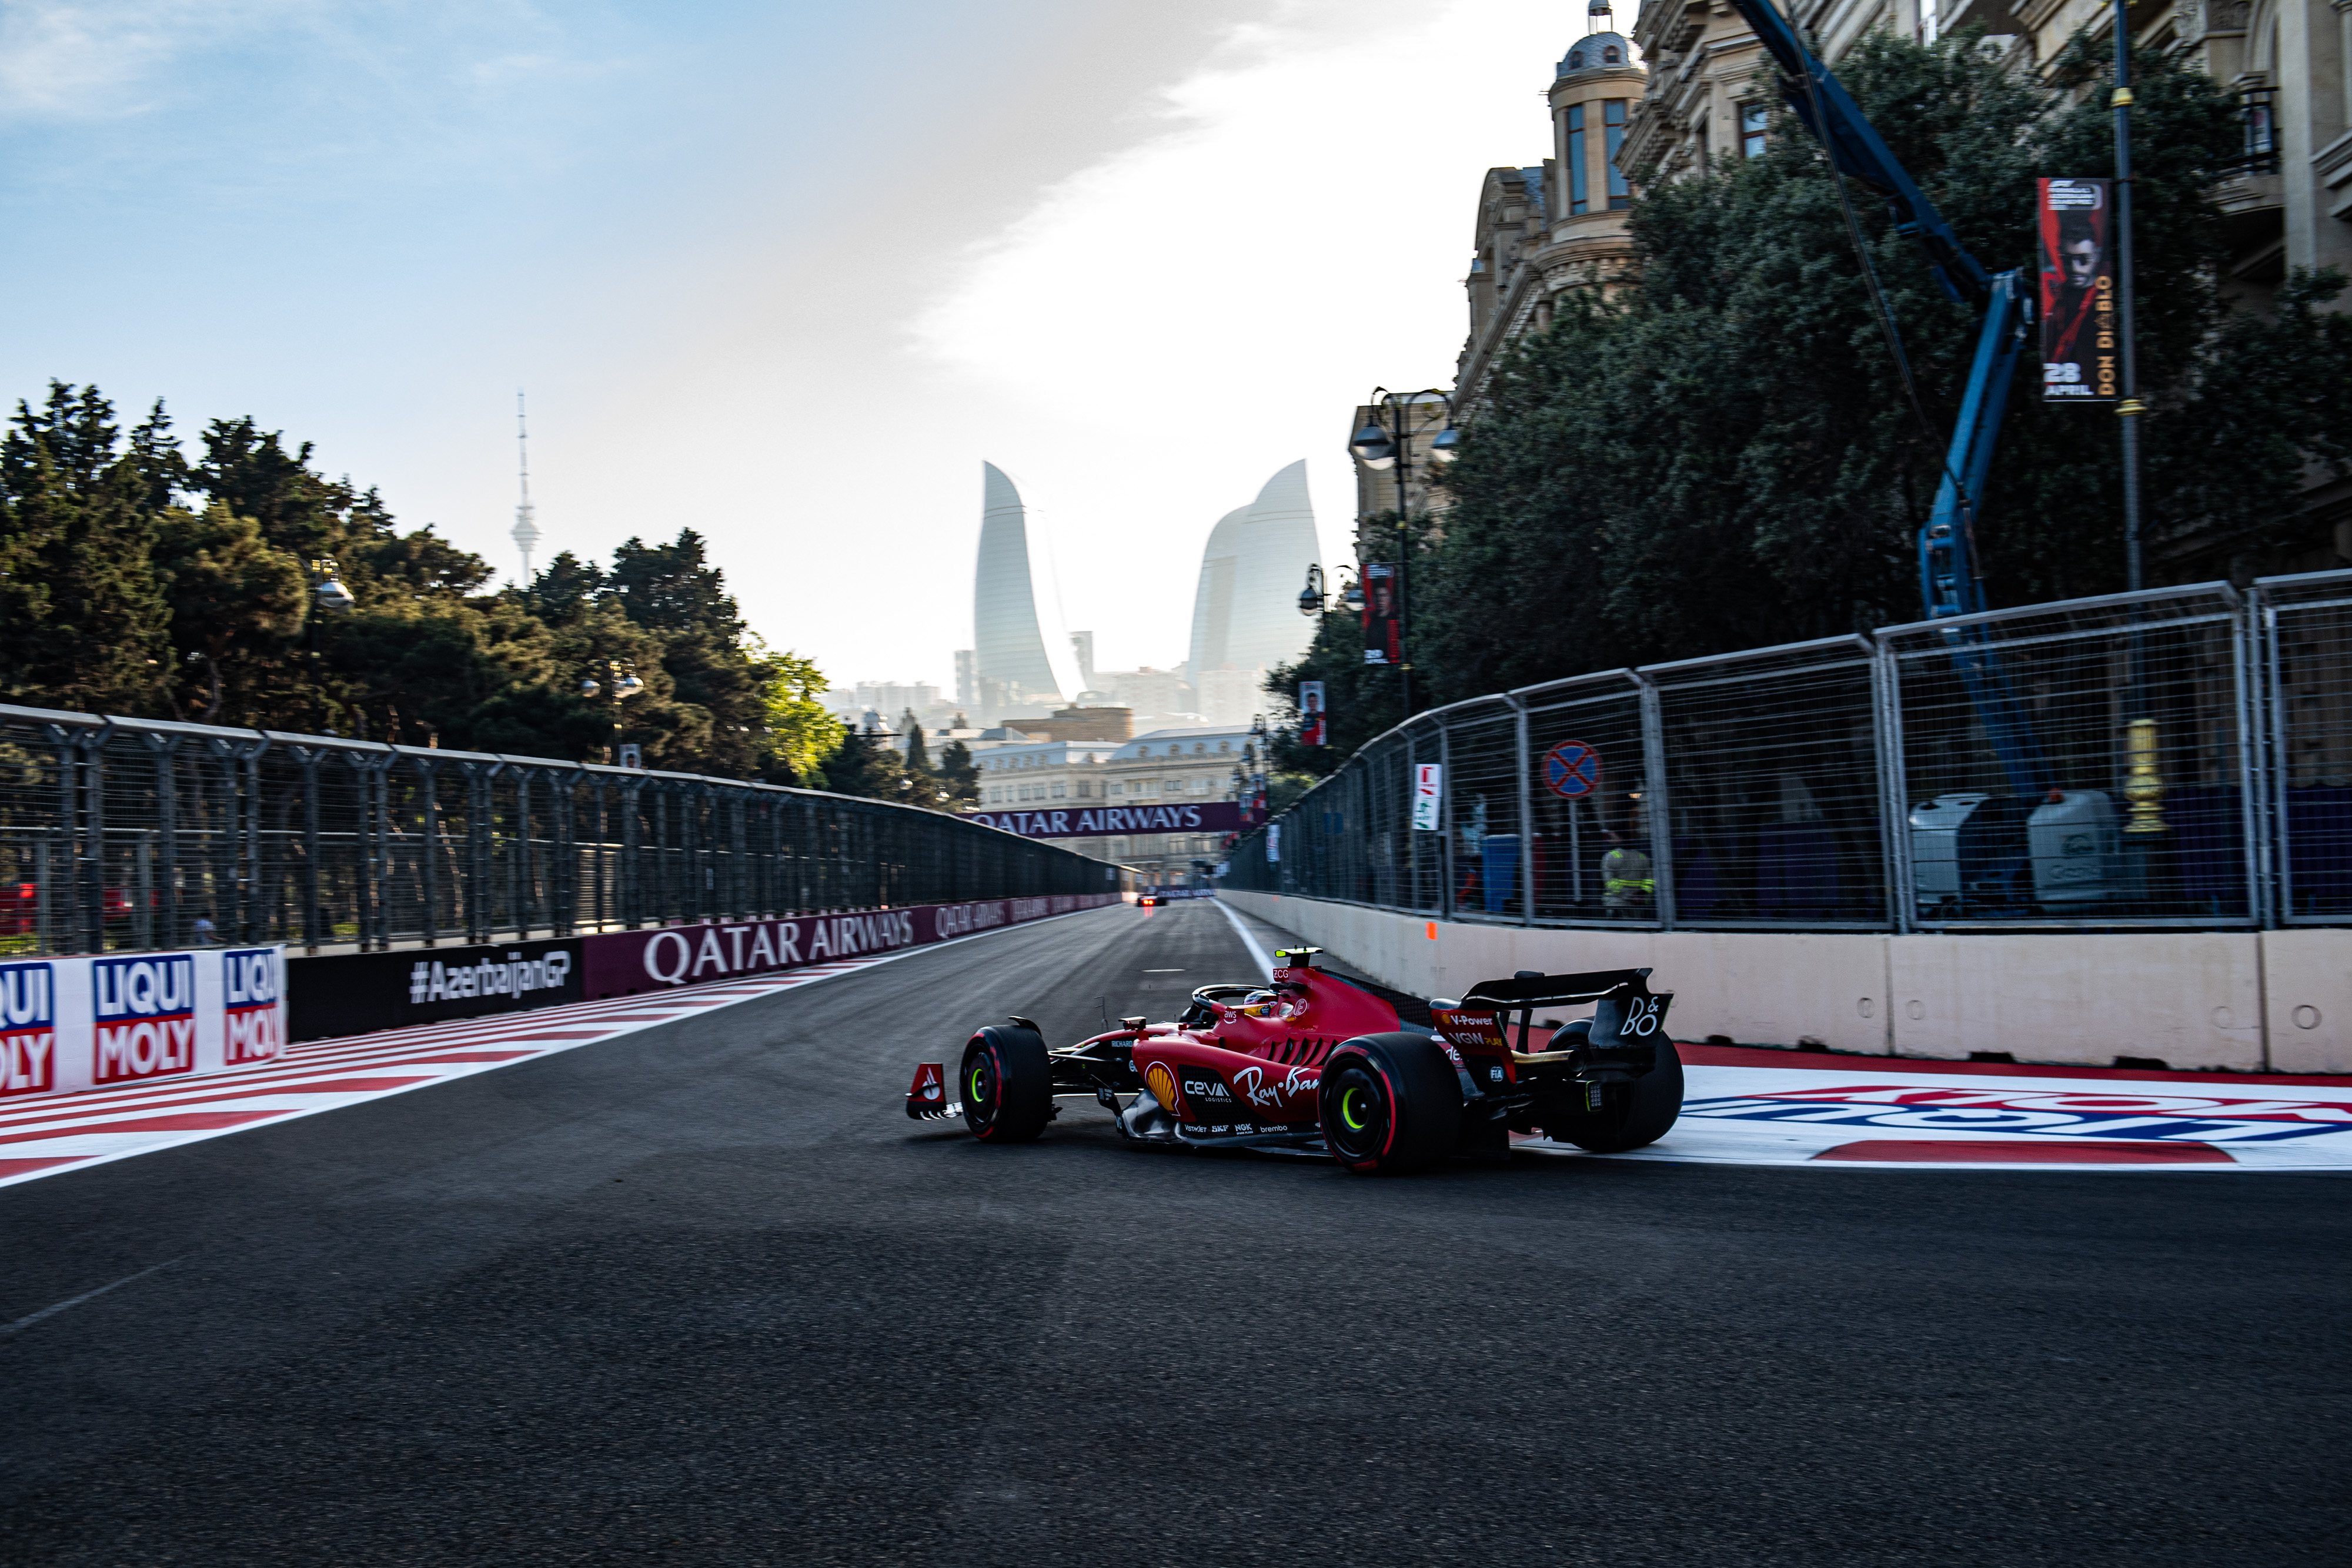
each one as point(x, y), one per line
point(252, 982)
point(146, 1014)
point(28, 1029)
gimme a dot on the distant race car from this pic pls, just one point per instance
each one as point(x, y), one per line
point(1317, 1064)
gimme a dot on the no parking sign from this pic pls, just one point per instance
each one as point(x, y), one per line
point(1571, 769)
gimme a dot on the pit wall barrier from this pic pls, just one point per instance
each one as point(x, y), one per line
point(2247, 1001)
point(74, 1023)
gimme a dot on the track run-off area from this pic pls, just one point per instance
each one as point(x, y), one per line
point(672, 1280)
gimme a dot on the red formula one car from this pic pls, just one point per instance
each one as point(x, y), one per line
point(1316, 1063)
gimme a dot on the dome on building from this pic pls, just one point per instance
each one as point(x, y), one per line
point(1596, 51)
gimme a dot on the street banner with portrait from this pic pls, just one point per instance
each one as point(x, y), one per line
point(2079, 356)
point(1383, 627)
point(1311, 730)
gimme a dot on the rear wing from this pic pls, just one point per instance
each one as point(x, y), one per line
point(1626, 1014)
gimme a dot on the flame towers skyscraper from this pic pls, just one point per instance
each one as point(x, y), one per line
point(1011, 666)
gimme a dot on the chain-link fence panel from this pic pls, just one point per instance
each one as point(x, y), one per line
point(1772, 788)
point(2088, 762)
point(1586, 779)
point(2306, 623)
point(132, 834)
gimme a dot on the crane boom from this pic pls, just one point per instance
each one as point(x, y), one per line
point(1949, 583)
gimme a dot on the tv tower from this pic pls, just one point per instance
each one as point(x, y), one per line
point(526, 531)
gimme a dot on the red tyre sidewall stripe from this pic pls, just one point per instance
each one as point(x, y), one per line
point(1388, 1092)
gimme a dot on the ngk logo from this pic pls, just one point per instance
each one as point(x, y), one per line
point(146, 1016)
point(28, 1035)
point(251, 984)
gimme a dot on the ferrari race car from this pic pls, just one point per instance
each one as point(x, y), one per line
point(1316, 1063)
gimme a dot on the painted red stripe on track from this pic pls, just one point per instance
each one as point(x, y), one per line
point(254, 1091)
point(193, 1122)
point(1842, 1061)
point(2107, 1151)
point(20, 1167)
point(465, 1056)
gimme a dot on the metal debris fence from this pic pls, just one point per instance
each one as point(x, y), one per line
point(2178, 757)
point(133, 834)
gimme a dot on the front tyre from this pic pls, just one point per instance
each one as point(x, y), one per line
point(1390, 1103)
point(1007, 1085)
point(1630, 1115)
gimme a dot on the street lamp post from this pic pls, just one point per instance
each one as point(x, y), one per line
point(1386, 443)
point(625, 684)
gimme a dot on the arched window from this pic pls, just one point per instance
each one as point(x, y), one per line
point(1608, 54)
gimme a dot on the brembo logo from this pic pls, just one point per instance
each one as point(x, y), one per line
point(28, 1035)
point(146, 1014)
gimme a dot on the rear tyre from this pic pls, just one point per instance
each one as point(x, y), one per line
point(1389, 1103)
point(1007, 1085)
point(1630, 1115)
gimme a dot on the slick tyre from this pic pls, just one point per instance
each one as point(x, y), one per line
point(1007, 1085)
point(1389, 1103)
point(1630, 1115)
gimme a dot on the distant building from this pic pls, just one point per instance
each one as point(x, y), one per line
point(1011, 669)
point(1168, 767)
point(1245, 617)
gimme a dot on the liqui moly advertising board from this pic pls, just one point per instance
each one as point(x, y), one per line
point(29, 1030)
point(89, 1022)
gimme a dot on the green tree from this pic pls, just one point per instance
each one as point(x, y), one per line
point(958, 777)
point(236, 602)
point(86, 627)
point(800, 733)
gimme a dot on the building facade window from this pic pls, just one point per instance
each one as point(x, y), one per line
point(1577, 201)
point(1613, 117)
point(1751, 130)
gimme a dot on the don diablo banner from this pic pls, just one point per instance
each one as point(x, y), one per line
point(1313, 729)
point(1105, 821)
point(91, 1022)
point(2079, 356)
point(1383, 627)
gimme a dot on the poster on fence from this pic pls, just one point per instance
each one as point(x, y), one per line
point(1428, 795)
point(1312, 731)
point(2079, 356)
point(1383, 626)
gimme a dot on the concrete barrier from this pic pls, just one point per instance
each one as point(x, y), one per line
point(2241, 1001)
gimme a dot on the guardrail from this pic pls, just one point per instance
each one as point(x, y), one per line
point(124, 834)
point(2178, 757)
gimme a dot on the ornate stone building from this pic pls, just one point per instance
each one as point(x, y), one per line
point(1560, 224)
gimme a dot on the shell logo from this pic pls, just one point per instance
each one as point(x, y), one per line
point(1161, 1082)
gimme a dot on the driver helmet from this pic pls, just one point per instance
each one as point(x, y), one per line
point(1259, 1004)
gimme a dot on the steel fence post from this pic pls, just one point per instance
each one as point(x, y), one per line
point(1526, 809)
point(2256, 712)
point(1659, 807)
point(164, 749)
point(313, 910)
point(1894, 798)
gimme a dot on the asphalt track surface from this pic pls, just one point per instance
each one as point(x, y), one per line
point(703, 1295)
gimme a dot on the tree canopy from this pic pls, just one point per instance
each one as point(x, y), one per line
point(142, 580)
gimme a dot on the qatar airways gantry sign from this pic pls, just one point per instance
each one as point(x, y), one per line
point(1105, 821)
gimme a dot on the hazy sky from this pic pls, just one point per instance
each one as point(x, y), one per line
point(787, 273)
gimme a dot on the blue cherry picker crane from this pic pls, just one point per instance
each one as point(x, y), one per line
point(1985, 845)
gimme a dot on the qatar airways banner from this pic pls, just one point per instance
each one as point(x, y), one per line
point(625, 963)
point(1103, 821)
point(91, 1022)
